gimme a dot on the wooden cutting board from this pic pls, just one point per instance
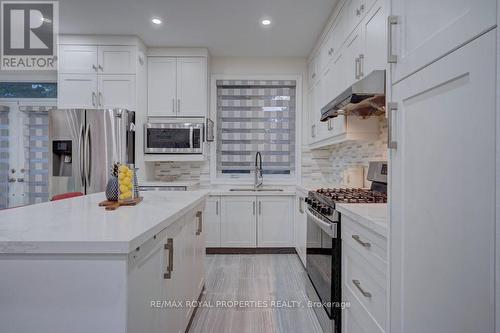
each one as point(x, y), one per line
point(113, 205)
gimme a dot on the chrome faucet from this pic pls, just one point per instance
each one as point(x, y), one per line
point(258, 170)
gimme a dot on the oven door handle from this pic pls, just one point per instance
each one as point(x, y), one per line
point(329, 228)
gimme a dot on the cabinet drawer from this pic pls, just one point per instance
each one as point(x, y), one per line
point(355, 319)
point(371, 245)
point(366, 282)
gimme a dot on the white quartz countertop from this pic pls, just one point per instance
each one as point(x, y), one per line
point(372, 216)
point(78, 225)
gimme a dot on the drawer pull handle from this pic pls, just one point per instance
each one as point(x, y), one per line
point(357, 239)
point(199, 216)
point(358, 285)
point(170, 248)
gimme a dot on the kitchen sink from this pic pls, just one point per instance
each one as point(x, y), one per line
point(256, 190)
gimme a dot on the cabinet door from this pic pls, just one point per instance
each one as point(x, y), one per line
point(191, 87)
point(174, 284)
point(77, 59)
point(77, 91)
point(275, 222)
point(374, 48)
point(116, 91)
point(442, 211)
point(429, 29)
point(212, 222)
point(351, 51)
point(238, 221)
point(162, 90)
point(116, 59)
point(300, 226)
point(146, 267)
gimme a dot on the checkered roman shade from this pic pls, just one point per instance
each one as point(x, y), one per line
point(36, 152)
point(255, 116)
point(4, 156)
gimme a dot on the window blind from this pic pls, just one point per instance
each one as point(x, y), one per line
point(4, 156)
point(256, 116)
point(36, 152)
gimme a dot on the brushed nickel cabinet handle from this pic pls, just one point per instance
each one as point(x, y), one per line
point(217, 208)
point(100, 99)
point(391, 20)
point(253, 208)
point(357, 239)
point(356, 66)
point(101, 68)
point(391, 144)
point(361, 59)
point(199, 216)
point(260, 207)
point(178, 106)
point(93, 98)
point(170, 248)
point(363, 292)
point(94, 67)
point(173, 105)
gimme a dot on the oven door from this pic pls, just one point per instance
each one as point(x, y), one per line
point(323, 262)
point(173, 138)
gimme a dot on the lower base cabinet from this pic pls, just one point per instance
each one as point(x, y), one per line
point(164, 271)
point(250, 221)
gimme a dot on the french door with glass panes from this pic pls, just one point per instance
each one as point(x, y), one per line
point(14, 160)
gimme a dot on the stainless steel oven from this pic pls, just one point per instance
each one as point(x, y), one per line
point(324, 264)
point(173, 137)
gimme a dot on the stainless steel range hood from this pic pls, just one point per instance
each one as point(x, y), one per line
point(364, 98)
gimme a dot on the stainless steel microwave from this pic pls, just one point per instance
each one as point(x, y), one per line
point(175, 137)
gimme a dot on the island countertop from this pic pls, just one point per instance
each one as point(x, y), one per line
point(371, 215)
point(79, 225)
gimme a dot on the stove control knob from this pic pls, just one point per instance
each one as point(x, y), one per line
point(328, 211)
point(314, 203)
point(307, 200)
point(324, 210)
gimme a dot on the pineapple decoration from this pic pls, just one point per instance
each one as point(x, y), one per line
point(126, 182)
point(112, 185)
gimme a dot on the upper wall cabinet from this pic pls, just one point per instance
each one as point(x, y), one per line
point(94, 76)
point(442, 27)
point(177, 86)
point(92, 59)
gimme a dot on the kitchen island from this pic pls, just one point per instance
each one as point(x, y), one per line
point(71, 266)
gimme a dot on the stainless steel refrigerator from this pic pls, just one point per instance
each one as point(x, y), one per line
point(84, 144)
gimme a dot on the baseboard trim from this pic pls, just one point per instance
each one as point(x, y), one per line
point(250, 250)
point(194, 311)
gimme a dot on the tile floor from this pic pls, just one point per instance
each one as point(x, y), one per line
point(268, 278)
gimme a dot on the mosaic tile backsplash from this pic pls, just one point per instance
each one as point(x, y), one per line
point(320, 167)
point(325, 167)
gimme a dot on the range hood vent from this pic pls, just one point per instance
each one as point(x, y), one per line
point(364, 98)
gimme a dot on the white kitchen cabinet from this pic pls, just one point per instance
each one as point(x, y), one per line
point(77, 91)
point(301, 226)
point(96, 76)
point(351, 59)
point(212, 221)
point(116, 91)
point(374, 49)
point(442, 207)
point(238, 221)
point(113, 59)
point(275, 221)
point(177, 86)
point(168, 267)
point(162, 86)
point(423, 31)
point(191, 87)
point(77, 59)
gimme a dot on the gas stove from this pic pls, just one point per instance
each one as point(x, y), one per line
point(323, 200)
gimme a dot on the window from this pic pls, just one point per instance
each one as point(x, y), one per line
point(252, 116)
point(28, 90)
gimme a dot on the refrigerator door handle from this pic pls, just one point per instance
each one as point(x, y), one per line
point(81, 145)
point(88, 157)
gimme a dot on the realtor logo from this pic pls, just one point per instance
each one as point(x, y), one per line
point(29, 32)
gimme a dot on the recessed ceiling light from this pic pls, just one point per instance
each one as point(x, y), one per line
point(266, 22)
point(156, 21)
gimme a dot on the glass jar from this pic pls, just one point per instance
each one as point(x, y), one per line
point(126, 182)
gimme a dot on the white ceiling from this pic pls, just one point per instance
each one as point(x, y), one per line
point(226, 27)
